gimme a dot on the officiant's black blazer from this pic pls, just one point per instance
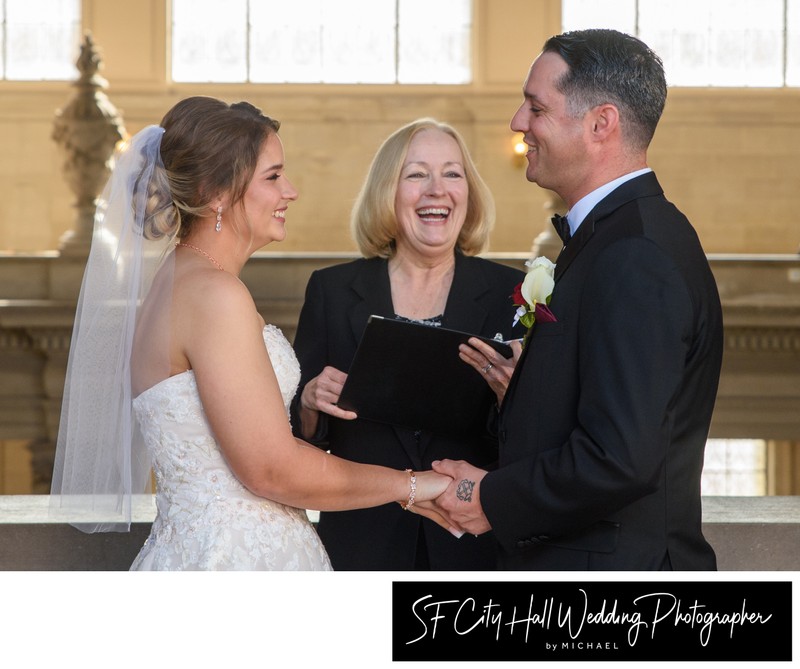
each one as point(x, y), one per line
point(603, 428)
point(339, 300)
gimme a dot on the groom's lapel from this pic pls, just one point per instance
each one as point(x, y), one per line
point(512, 383)
point(575, 245)
point(564, 260)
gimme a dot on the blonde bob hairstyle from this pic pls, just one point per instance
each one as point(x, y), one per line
point(373, 221)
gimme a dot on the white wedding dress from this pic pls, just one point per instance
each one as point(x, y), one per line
point(206, 519)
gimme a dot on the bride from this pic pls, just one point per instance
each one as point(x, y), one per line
point(171, 363)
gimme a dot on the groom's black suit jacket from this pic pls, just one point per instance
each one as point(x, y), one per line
point(603, 428)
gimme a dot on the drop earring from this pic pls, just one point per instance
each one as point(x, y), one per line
point(218, 226)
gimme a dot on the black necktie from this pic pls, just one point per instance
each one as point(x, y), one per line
point(561, 224)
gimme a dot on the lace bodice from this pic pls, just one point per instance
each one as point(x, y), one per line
point(206, 519)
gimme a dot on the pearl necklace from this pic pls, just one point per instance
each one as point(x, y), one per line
point(199, 250)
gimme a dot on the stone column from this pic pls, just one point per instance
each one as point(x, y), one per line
point(783, 462)
point(87, 130)
point(53, 342)
point(548, 243)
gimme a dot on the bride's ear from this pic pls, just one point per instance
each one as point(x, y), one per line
point(222, 200)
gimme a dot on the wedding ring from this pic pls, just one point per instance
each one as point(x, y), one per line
point(487, 368)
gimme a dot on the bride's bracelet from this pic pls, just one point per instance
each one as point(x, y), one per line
point(412, 492)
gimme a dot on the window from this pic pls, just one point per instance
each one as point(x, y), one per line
point(736, 467)
point(706, 42)
point(318, 41)
point(39, 40)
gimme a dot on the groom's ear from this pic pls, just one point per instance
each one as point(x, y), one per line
point(604, 122)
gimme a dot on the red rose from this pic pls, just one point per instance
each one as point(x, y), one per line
point(516, 297)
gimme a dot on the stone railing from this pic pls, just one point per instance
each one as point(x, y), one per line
point(747, 533)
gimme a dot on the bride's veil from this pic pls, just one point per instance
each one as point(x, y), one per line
point(101, 463)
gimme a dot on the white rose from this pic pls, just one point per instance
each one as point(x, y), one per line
point(539, 282)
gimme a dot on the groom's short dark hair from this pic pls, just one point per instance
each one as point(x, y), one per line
point(607, 66)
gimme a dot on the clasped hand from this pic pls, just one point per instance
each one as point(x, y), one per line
point(457, 507)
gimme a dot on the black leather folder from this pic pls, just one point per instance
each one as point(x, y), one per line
point(409, 374)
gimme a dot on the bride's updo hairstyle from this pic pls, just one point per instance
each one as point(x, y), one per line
point(209, 148)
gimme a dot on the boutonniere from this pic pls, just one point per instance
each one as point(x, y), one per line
point(532, 296)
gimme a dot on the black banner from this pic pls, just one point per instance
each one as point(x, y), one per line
point(603, 621)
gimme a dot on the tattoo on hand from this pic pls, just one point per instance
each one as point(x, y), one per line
point(464, 490)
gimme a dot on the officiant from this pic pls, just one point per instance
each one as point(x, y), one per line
point(420, 220)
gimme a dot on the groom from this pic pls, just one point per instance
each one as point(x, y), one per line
point(603, 427)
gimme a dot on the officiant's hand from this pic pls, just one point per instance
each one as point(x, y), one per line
point(461, 502)
point(496, 369)
point(321, 395)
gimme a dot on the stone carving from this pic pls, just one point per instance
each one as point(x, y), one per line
point(87, 129)
point(547, 243)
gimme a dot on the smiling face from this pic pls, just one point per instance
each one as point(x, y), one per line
point(268, 194)
point(556, 140)
point(431, 199)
